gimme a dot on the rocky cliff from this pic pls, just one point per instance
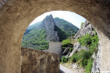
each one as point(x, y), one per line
point(87, 28)
point(50, 25)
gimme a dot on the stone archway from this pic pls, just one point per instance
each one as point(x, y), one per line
point(15, 16)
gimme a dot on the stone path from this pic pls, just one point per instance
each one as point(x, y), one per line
point(68, 70)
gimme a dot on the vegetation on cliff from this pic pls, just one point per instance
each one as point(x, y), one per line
point(83, 57)
point(35, 39)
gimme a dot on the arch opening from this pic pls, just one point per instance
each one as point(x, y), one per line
point(59, 32)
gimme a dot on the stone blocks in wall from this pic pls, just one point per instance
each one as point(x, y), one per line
point(36, 61)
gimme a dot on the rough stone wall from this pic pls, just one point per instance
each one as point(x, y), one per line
point(15, 15)
point(55, 47)
point(36, 61)
point(104, 54)
point(86, 28)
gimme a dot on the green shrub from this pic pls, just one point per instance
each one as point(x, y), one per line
point(89, 66)
point(74, 58)
point(92, 43)
point(83, 58)
point(81, 55)
point(85, 40)
point(64, 59)
point(89, 41)
point(66, 42)
point(86, 55)
point(70, 49)
point(84, 62)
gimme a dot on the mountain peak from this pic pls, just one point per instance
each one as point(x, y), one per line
point(49, 16)
point(50, 28)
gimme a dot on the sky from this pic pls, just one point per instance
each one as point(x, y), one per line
point(66, 15)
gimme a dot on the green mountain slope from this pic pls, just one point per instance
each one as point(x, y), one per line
point(65, 26)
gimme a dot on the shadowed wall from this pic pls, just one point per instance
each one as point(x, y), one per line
point(36, 61)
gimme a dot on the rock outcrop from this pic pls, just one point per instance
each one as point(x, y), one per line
point(97, 61)
point(87, 28)
point(49, 23)
point(36, 61)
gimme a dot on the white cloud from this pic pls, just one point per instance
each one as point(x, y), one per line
point(66, 15)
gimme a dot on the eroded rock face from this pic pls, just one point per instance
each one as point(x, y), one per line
point(50, 29)
point(86, 28)
point(36, 61)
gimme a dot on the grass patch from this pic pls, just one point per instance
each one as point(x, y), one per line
point(84, 57)
point(66, 42)
point(64, 59)
point(89, 41)
point(88, 67)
